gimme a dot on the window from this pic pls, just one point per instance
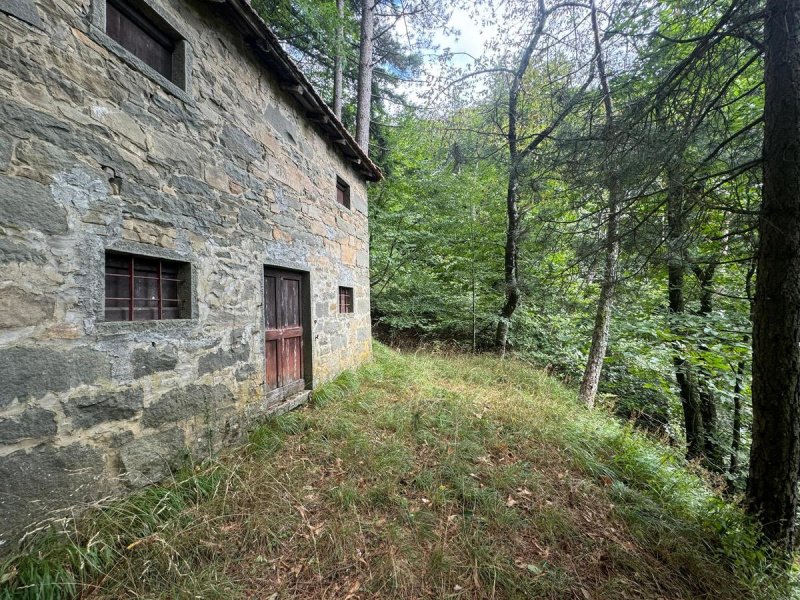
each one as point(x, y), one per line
point(342, 192)
point(144, 34)
point(140, 288)
point(345, 299)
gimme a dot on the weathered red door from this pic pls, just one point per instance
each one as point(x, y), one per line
point(283, 335)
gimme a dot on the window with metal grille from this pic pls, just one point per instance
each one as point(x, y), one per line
point(141, 288)
point(345, 299)
point(139, 35)
point(342, 192)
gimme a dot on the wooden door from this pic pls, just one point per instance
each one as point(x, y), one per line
point(283, 335)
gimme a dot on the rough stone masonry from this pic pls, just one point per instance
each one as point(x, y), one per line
point(227, 167)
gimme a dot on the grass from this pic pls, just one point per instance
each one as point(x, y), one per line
point(419, 476)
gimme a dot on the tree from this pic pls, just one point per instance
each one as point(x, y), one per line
point(605, 304)
point(523, 134)
point(775, 450)
point(364, 94)
point(338, 62)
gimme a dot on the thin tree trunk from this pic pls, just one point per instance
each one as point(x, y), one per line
point(510, 263)
point(676, 271)
point(736, 433)
point(690, 402)
point(775, 451)
point(513, 296)
point(338, 62)
point(516, 157)
point(713, 455)
point(738, 396)
point(364, 100)
point(605, 305)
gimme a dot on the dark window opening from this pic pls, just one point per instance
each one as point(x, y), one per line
point(342, 192)
point(345, 299)
point(138, 34)
point(140, 288)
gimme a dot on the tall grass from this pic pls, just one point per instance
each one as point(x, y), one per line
point(420, 476)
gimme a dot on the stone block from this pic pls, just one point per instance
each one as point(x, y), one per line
point(222, 358)
point(282, 125)
point(216, 177)
point(152, 458)
point(241, 144)
point(24, 10)
point(246, 372)
point(185, 402)
point(147, 361)
point(170, 150)
point(42, 157)
point(88, 411)
point(119, 122)
point(6, 150)
point(19, 308)
point(189, 185)
point(33, 371)
point(13, 252)
point(22, 122)
point(35, 483)
point(33, 423)
point(29, 205)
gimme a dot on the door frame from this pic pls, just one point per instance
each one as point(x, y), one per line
point(277, 395)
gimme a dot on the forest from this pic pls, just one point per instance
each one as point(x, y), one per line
point(607, 189)
point(584, 289)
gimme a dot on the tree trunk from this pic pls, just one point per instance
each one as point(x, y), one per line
point(676, 271)
point(338, 62)
point(364, 100)
point(605, 304)
point(775, 451)
point(738, 396)
point(713, 455)
point(516, 157)
point(511, 279)
point(690, 402)
point(736, 433)
point(513, 295)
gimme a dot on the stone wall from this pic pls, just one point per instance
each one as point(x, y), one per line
point(230, 177)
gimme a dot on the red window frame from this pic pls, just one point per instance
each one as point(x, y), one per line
point(342, 192)
point(127, 276)
point(346, 299)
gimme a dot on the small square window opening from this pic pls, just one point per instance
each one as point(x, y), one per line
point(141, 288)
point(345, 299)
point(342, 192)
point(152, 42)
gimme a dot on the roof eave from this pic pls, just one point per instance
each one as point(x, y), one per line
point(293, 82)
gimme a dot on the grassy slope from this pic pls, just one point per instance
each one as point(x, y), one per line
point(419, 477)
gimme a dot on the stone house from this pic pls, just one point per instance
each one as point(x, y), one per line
point(183, 242)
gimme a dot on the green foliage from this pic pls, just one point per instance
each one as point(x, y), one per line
point(686, 130)
point(436, 240)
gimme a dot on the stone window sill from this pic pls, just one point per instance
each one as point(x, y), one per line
point(134, 62)
point(168, 326)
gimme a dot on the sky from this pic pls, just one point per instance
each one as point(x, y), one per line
point(472, 38)
point(468, 43)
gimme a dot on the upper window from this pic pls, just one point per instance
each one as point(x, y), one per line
point(345, 299)
point(141, 288)
point(342, 192)
point(152, 44)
